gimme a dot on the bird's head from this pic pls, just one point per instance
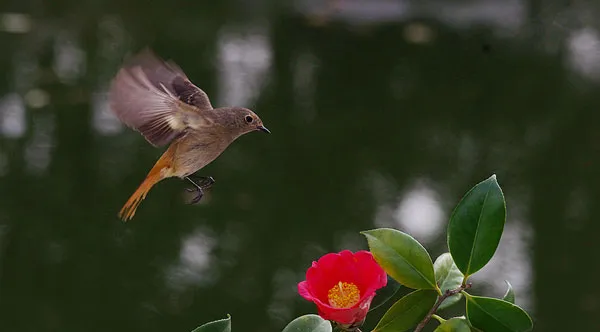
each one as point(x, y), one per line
point(241, 121)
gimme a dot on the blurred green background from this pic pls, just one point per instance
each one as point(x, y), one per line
point(383, 114)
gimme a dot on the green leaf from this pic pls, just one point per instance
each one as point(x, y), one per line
point(510, 293)
point(495, 315)
point(407, 312)
point(476, 226)
point(385, 293)
point(308, 323)
point(448, 277)
point(402, 257)
point(221, 325)
point(456, 324)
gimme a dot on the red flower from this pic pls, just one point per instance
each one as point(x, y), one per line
point(343, 285)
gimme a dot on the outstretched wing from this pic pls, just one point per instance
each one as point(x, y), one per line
point(141, 100)
point(172, 77)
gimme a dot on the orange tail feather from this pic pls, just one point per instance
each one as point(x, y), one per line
point(161, 170)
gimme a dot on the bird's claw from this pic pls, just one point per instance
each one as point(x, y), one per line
point(198, 197)
point(205, 183)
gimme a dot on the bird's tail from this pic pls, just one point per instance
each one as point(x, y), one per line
point(162, 169)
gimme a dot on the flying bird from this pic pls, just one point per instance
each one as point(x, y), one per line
point(157, 99)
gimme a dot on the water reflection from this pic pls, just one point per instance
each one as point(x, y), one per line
point(416, 210)
point(39, 145)
point(69, 59)
point(103, 120)
point(12, 116)
point(419, 212)
point(306, 66)
point(195, 267)
point(244, 59)
point(284, 292)
point(37, 98)
point(15, 22)
point(418, 33)
point(584, 52)
point(506, 17)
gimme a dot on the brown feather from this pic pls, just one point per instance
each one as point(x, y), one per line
point(157, 99)
point(171, 76)
point(162, 169)
point(141, 106)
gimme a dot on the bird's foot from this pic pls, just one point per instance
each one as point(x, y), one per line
point(206, 182)
point(202, 184)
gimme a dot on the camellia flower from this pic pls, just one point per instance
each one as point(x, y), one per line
point(342, 285)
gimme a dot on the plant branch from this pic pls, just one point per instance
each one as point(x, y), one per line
point(464, 282)
point(439, 302)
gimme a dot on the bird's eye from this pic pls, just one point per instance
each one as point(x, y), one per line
point(249, 119)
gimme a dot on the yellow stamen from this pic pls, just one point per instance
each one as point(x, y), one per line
point(343, 295)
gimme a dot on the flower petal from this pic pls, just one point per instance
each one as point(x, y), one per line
point(304, 291)
point(373, 276)
point(359, 268)
point(329, 270)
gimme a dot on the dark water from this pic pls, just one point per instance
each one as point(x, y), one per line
point(382, 113)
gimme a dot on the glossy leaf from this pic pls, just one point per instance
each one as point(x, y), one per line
point(402, 257)
point(495, 315)
point(448, 277)
point(510, 293)
point(221, 325)
point(456, 324)
point(476, 226)
point(308, 323)
point(385, 293)
point(407, 312)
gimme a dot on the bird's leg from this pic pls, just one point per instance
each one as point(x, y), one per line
point(205, 183)
point(198, 189)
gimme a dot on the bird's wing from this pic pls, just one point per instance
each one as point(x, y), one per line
point(150, 107)
point(169, 74)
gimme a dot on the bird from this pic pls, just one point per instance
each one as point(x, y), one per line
point(156, 98)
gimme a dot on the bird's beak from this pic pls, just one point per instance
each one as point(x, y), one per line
point(263, 128)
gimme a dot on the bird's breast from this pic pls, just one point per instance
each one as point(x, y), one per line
point(196, 151)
